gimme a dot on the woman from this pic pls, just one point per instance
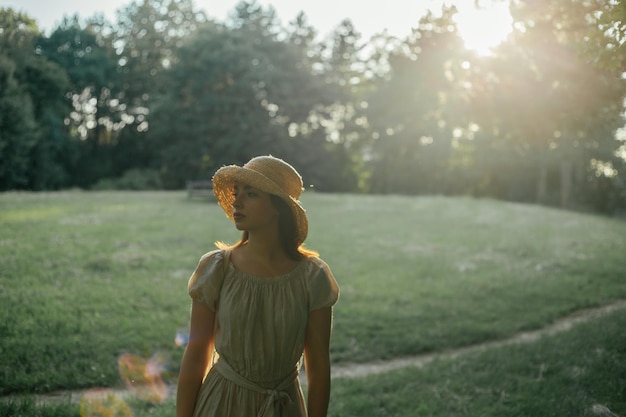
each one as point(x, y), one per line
point(259, 305)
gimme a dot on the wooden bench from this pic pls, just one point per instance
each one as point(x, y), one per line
point(200, 189)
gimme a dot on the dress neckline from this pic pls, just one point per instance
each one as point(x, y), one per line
point(272, 278)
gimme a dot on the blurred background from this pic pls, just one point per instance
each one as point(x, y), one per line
point(519, 100)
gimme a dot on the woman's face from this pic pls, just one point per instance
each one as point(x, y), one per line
point(253, 209)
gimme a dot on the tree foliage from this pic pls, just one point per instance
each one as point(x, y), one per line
point(414, 111)
point(165, 90)
point(34, 147)
point(230, 97)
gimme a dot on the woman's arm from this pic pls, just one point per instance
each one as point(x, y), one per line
point(196, 359)
point(317, 361)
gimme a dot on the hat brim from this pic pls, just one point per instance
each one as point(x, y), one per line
point(225, 179)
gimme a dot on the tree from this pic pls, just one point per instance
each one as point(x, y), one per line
point(147, 35)
point(414, 111)
point(236, 92)
point(217, 110)
point(561, 108)
point(18, 129)
point(36, 151)
point(96, 113)
point(341, 65)
point(601, 26)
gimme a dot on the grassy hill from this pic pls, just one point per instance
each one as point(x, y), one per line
point(88, 277)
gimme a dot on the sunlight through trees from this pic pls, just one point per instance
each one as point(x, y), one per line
point(519, 100)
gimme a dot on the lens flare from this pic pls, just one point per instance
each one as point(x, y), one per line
point(103, 403)
point(181, 338)
point(143, 377)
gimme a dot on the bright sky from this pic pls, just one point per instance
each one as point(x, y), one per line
point(480, 29)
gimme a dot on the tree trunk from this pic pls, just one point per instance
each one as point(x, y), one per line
point(542, 184)
point(567, 173)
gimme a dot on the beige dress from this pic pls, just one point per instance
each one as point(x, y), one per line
point(260, 335)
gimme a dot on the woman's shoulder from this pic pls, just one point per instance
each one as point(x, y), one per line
point(213, 258)
point(214, 255)
point(316, 267)
point(209, 261)
point(322, 286)
point(316, 261)
point(206, 280)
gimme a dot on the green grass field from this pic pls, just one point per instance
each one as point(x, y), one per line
point(88, 277)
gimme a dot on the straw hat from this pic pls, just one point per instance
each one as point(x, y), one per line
point(269, 174)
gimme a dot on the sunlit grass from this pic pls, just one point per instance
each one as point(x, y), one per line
point(577, 373)
point(423, 274)
point(89, 277)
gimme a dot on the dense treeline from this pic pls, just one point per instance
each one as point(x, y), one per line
point(164, 95)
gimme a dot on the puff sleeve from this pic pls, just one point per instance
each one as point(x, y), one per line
point(322, 286)
point(206, 281)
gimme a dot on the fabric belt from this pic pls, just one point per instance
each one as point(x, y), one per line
point(275, 397)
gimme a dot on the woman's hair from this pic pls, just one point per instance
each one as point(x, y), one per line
point(286, 232)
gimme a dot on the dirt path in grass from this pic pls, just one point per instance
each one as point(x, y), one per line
point(564, 323)
point(365, 369)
